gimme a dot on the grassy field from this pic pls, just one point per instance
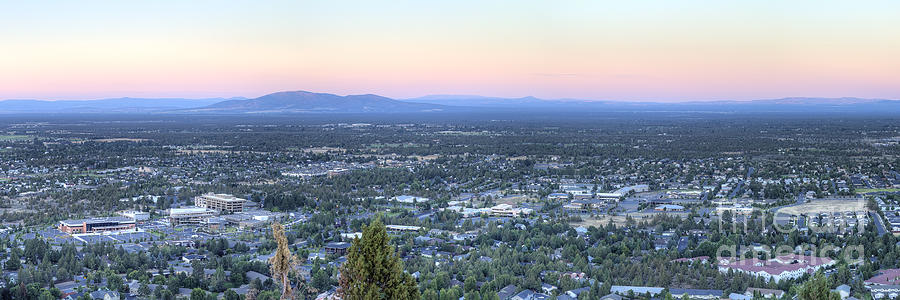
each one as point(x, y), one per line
point(863, 191)
point(822, 206)
point(14, 138)
point(120, 140)
point(513, 200)
point(621, 220)
point(600, 221)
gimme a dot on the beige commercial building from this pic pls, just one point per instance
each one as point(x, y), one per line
point(223, 203)
point(190, 215)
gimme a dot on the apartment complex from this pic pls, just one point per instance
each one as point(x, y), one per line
point(780, 268)
point(222, 203)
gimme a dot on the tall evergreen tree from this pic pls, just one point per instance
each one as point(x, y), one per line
point(818, 288)
point(13, 264)
point(373, 270)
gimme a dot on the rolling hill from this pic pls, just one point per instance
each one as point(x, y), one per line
point(113, 105)
point(323, 103)
point(308, 102)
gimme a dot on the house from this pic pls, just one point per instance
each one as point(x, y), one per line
point(73, 295)
point(637, 290)
point(251, 275)
point(766, 293)
point(702, 259)
point(843, 290)
point(660, 244)
point(105, 295)
point(337, 248)
point(884, 291)
point(315, 255)
point(885, 277)
point(507, 292)
point(669, 207)
point(541, 296)
point(736, 296)
point(523, 295)
point(697, 293)
point(558, 196)
point(577, 276)
point(189, 258)
point(574, 293)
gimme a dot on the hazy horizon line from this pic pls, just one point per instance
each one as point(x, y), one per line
point(467, 96)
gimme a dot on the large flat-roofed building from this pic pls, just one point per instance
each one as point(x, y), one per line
point(221, 202)
point(410, 199)
point(614, 196)
point(396, 229)
point(506, 210)
point(96, 225)
point(252, 218)
point(137, 216)
point(190, 215)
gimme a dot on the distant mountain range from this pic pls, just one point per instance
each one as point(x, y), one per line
point(792, 105)
point(113, 105)
point(309, 102)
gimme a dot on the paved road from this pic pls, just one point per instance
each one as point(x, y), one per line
point(800, 200)
point(879, 224)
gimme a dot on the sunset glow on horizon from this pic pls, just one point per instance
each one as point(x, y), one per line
point(602, 50)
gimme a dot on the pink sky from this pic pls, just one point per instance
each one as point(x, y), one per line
point(655, 50)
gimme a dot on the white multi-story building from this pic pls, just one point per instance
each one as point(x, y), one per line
point(137, 216)
point(223, 203)
point(506, 210)
point(190, 215)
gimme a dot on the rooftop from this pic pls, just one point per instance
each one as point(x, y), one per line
point(188, 210)
point(885, 277)
point(79, 222)
point(338, 245)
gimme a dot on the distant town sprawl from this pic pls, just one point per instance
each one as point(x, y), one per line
point(562, 206)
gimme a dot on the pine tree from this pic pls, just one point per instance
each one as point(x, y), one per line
point(144, 289)
point(606, 288)
point(198, 294)
point(818, 288)
point(595, 290)
point(282, 262)
point(373, 270)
